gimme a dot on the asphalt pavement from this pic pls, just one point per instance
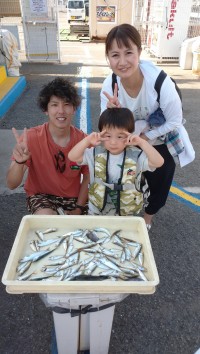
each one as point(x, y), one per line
point(166, 322)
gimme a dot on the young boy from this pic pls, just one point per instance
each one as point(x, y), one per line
point(52, 182)
point(116, 162)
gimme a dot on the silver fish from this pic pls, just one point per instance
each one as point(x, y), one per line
point(49, 270)
point(25, 276)
point(47, 242)
point(137, 266)
point(54, 258)
point(103, 230)
point(40, 235)
point(123, 256)
point(36, 256)
point(48, 231)
point(110, 252)
point(141, 258)
point(90, 268)
point(117, 241)
point(127, 253)
point(70, 246)
point(26, 266)
point(77, 233)
point(72, 260)
point(81, 239)
point(87, 260)
point(103, 240)
point(34, 245)
point(65, 244)
point(109, 264)
point(56, 262)
point(141, 275)
point(71, 271)
point(39, 277)
point(133, 243)
point(77, 274)
point(136, 251)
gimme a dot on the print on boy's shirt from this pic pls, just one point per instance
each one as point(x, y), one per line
point(130, 172)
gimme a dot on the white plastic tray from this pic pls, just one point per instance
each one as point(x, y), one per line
point(133, 228)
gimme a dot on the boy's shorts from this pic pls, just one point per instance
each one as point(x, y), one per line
point(48, 201)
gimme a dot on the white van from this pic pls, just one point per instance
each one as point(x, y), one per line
point(75, 10)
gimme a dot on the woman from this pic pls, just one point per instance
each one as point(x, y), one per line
point(135, 90)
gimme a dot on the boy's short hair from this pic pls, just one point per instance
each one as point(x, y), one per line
point(117, 118)
point(61, 88)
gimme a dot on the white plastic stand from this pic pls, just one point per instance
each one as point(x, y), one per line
point(84, 331)
point(89, 331)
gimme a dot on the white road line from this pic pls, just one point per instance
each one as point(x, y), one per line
point(195, 190)
point(83, 110)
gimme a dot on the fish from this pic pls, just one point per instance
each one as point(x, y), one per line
point(73, 276)
point(47, 242)
point(109, 264)
point(47, 231)
point(91, 234)
point(87, 260)
point(70, 246)
point(136, 251)
point(85, 277)
point(71, 271)
point(118, 241)
point(40, 235)
point(103, 230)
point(110, 252)
point(34, 257)
point(39, 277)
point(128, 254)
point(141, 258)
point(34, 245)
point(122, 259)
point(49, 270)
point(25, 277)
point(25, 266)
point(141, 275)
point(81, 239)
point(90, 267)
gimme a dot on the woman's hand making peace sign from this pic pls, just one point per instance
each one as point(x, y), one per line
point(113, 101)
point(20, 152)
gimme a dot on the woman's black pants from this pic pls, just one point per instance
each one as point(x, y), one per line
point(160, 181)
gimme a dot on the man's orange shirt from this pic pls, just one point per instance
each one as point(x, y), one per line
point(42, 174)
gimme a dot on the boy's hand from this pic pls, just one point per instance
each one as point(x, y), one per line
point(20, 151)
point(96, 138)
point(113, 101)
point(132, 140)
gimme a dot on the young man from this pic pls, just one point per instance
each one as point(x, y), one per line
point(52, 181)
point(116, 162)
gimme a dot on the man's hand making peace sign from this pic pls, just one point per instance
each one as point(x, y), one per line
point(20, 151)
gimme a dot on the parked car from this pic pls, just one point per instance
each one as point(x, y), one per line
point(76, 10)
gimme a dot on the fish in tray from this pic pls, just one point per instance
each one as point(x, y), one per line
point(91, 254)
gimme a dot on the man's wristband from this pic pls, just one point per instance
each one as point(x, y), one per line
point(20, 163)
point(82, 208)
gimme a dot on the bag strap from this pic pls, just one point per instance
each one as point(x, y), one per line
point(159, 81)
point(114, 81)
